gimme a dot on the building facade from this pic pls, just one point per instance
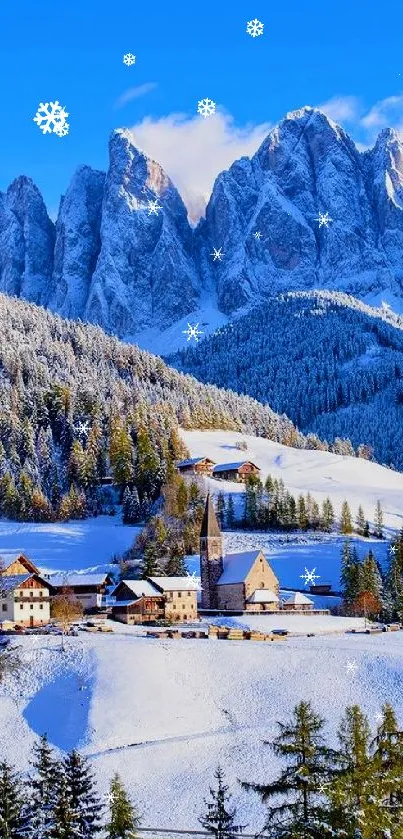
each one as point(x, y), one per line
point(88, 589)
point(196, 466)
point(137, 601)
point(180, 597)
point(239, 471)
point(232, 582)
point(24, 594)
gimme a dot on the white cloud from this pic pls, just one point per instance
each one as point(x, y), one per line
point(194, 151)
point(387, 113)
point(342, 108)
point(134, 93)
point(364, 124)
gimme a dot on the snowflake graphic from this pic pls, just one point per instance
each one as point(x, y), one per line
point(392, 549)
point(51, 117)
point(194, 581)
point(153, 207)
point(206, 107)
point(258, 234)
point(129, 59)
point(192, 332)
point(351, 666)
point(309, 576)
point(82, 428)
point(62, 130)
point(217, 254)
point(323, 219)
point(254, 27)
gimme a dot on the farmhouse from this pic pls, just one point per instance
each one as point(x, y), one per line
point(298, 602)
point(236, 582)
point(180, 595)
point(236, 471)
point(137, 601)
point(89, 589)
point(196, 466)
point(24, 593)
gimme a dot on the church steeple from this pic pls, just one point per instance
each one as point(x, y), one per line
point(211, 556)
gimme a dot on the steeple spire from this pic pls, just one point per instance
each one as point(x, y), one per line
point(210, 526)
point(211, 556)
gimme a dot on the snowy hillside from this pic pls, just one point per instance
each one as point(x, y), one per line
point(220, 701)
point(318, 472)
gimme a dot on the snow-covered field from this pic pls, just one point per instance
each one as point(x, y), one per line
point(72, 545)
point(320, 473)
point(164, 713)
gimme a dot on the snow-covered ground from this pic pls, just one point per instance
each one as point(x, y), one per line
point(164, 713)
point(320, 473)
point(72, 545)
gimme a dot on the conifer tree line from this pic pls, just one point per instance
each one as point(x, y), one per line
point(270, 506)
point(352, 789)
point(77, 406)
point(59, 800)
point(367, 588)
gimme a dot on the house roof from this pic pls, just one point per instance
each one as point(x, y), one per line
point(76, 580)
point(237, 567)
point(191, 461)
point(298, 599)
point(175, 583)
point(8, 557)
point(263, 595)
point(9, 582)
point(139, 588)
point(210, 526)
point(224, 467)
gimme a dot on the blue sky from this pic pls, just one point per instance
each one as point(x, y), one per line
point(346, 54)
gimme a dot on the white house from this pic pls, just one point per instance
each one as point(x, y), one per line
point(24, 599)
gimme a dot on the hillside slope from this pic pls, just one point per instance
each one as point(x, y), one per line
point(331, 363)
point(77, 405)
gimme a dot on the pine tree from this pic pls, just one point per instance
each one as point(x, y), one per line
point(350, 568)
point(221, 509)
point(308, 760)
point(346, 525)
point(14, 814)
point(327, 521)
point(366, 530)
point(175, 566)
point(370, 577)
point(388, 762)
point(121, 453)
point(130, 506)
point(302, 517)
point(220, 817)
point(360, 521)
point(81, 794)
point(230, 513)
point(44, 785)
point(123, 819)
point(394, 579)
point(65, 818)
point(378, 521)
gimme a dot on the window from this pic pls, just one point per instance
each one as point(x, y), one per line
point(4, 607)
point(41, 593)
point(179, 594)
point(261, 585)
point(31, 605)
point(21, 605)
point(189, 593)
point(183, 607)
point(174, 606)
point(31, 593)
point(41, 605)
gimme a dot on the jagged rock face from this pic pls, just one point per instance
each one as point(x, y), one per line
point(305, 166)
point(145, 275)
point(77, 242)
point(116, 264)
point(26, 243)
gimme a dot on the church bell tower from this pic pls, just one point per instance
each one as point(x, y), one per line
point(211, 556)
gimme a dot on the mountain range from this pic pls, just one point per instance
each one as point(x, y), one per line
point(138, 269)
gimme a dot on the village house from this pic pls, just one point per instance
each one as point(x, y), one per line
point(88, 589)
point(180, 595)
point(196, 466)
point(298, 602)
point(137, 601)
point(236, 582)
point(24, 593)
point(236, 471)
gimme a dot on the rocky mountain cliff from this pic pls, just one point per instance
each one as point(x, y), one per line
point(111, 260)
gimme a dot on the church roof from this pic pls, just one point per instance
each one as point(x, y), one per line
point(210, 526)
point(237, 567)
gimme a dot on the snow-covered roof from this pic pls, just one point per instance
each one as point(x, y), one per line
point(224, 467)
point(191, 461)
point(175, 583)
point(263, 595)
point(299, 599)
point(76, 580)
point(140, 588)
point(237, 567)
point(124, 602)
point(12, 581)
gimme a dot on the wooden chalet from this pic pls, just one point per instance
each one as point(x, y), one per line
point(24, 593)
point(196, 466)
point(239, 471)
point(89, 589)
point(137, 601)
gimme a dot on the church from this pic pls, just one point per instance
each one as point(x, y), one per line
point(236, 582)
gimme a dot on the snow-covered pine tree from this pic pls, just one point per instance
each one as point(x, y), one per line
point(297, 790)
point(220, 818)
point(393, 592)
point(14, 812)
point(65, 818)
point(230, 512)
point(378, 521)
point(327, 519)
point(81, 795)
point(350, 569)
point(360, 521)
point(388, 764)
point(44, 788)
point(123, 818)
point(130, 506)
point(346, 525)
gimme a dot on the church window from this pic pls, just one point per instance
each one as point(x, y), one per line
point(261, 585)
